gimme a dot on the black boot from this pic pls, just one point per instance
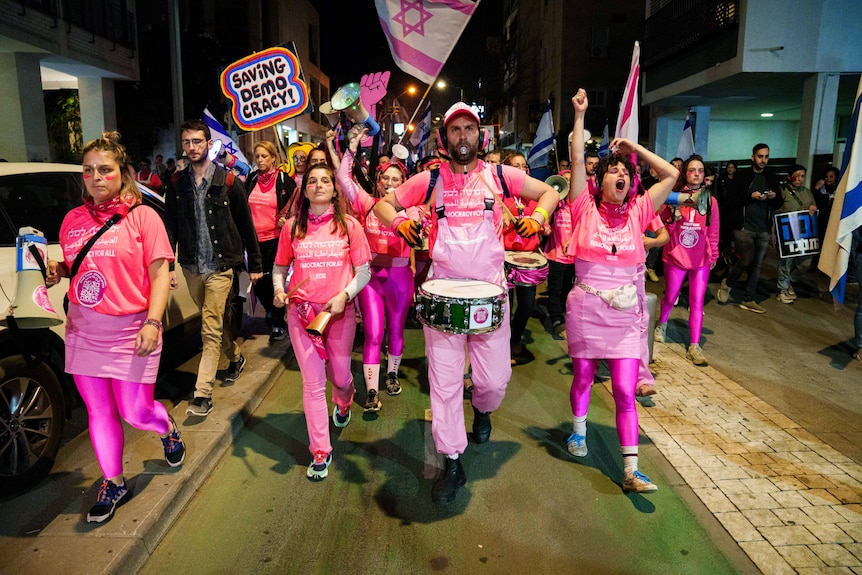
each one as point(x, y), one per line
point(447, 484)
point(481, 426)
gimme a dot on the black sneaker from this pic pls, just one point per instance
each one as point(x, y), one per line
point(175, 448)
point(372, 402)
point(234, 369)
point(447, 484)
point(277, 334)
point(392, 385)
point(481, 426)
point(110, 497)
point(200, 406)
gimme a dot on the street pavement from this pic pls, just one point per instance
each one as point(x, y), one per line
point(757, 458)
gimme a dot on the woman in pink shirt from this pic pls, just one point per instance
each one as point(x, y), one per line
point(385, 302)
point(113, 326)
point(692, 251)
point(330, 256)
point(604, 311)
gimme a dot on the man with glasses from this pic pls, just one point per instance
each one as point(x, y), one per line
point(300, 164)
point(207, 215)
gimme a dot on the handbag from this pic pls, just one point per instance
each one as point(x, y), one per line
point(79, 259)
point(622, 298)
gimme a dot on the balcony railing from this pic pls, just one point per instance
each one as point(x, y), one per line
point(682, 24)
point(106, 18)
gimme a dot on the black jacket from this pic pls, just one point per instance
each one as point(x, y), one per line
point(284, 187)
point(741, 197)
point(228, 217)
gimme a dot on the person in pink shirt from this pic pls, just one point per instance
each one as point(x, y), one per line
point(385, 302)
point(329, 255)
point(605, 309)
point(113, 325)
point(465, 241)
point(561, 266)
point(514, 242)
point(691, 251)
point(269, 191)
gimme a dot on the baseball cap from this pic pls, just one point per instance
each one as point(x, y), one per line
point(458, 109)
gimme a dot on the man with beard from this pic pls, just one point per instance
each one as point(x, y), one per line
point(465, 240)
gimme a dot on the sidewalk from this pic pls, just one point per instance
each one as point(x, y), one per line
point(791, 502)
point(69, 545)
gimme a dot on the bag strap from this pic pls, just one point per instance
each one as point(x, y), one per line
point(83, 253)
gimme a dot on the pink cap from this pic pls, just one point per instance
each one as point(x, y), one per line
point(458, 109)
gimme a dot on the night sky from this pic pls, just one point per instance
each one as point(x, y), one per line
point(353, 44)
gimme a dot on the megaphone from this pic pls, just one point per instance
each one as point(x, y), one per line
point(346, 99)
point(400, 151)
point(560, 184)
point(219, 155)
point(31, 308)
point(332, 115)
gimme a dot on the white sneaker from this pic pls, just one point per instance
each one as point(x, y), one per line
point(651, 275)
point(723, 293)
point(660, 333)
point(695, 354)
point(785, 297)
point(638, 482)
point(577, 445)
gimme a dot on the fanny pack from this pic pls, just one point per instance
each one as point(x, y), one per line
point(621, 298)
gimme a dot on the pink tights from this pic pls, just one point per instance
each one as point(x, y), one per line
point(624, 378)
point(384, 303)
point(697, 282)
point(107, 401)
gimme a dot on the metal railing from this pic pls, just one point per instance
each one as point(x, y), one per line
point(681, 24)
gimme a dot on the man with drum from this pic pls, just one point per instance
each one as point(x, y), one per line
point(464, 300)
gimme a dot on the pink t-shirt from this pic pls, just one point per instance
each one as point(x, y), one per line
point(381, 239)
point(463, 196)
point(692, 243)
point(561, 235)
point(264, 212)
point(608, 234)
point(325, 257)
point(113, 278)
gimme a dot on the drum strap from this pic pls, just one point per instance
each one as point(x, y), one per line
point(489, 203)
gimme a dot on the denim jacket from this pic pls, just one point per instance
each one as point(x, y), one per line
point(228, 217)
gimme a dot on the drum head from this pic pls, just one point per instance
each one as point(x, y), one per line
point(526, 259)
point(456, 288)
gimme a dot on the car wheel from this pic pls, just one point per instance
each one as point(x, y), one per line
point(32, 414)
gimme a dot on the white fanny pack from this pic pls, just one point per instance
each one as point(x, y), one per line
point(621, 298)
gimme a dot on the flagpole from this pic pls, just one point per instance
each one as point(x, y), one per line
point(416, 111)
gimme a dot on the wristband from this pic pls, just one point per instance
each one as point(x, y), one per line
point(154, 322)
point(543, 211)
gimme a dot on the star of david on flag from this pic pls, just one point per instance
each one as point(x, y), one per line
point(422, 33)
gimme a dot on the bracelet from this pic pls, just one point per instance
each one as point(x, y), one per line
point(154, 322)
point(347, 294)
point(543, 211)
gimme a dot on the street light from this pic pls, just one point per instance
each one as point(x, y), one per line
point(443, 85)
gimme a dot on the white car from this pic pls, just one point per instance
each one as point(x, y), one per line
point(36, 394)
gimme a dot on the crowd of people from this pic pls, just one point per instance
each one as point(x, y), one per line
point(335, 242)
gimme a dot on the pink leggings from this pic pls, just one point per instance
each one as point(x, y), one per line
point(697, 280)
point(338, 341)
point(108, 400)
point(384, 302)
point(624, 378)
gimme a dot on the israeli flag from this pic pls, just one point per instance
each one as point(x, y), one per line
point(219, 133)
point(544, 142)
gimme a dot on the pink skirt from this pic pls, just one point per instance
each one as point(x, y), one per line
point(100, 345)
point(594, 329)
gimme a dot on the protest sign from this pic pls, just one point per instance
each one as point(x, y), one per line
point(796, 233)
point(266, 88)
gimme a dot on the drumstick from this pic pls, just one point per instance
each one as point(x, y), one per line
point(293, 291)
point(496, 197)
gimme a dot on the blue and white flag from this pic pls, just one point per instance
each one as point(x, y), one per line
point(685, 148)
point(544, 142)
point(846, 214)
point(219, 133)
point(605, 145)
point(422, 132)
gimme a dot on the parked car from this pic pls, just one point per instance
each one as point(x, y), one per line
point(36, 395)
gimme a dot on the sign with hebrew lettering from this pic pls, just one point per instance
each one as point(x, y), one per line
point(796, 233)
point(266, 88)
